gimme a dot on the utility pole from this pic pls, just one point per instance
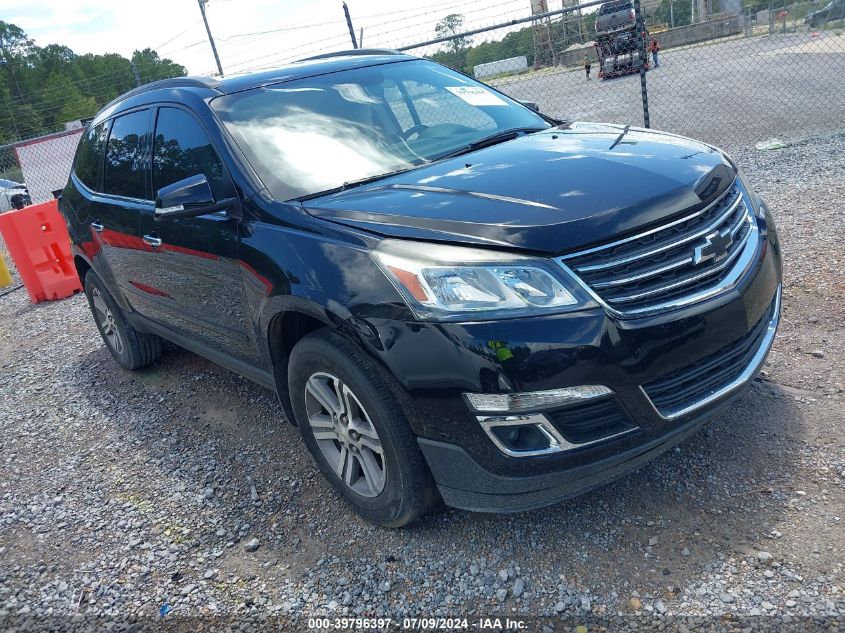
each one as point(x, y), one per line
point(672, 13)
point(210, 38)
point(135, 73)
point(349, 24)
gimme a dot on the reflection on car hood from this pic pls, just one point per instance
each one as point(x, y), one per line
point(547, 192)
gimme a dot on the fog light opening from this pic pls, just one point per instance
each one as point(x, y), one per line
point(524, 437)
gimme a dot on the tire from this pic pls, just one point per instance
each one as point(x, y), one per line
point(130, 348)
point(405, 490)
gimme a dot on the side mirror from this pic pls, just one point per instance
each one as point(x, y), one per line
point(188, 198)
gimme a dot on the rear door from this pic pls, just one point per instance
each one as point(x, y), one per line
point(191, 278)
point(116, 213)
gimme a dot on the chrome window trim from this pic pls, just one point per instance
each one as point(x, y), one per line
point(557, 443)
point(739, 381)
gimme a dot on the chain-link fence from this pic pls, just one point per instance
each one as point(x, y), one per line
point(711, 69)
point(731, 72)
point(36, 170)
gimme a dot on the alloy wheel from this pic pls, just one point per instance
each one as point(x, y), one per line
point(105, 318)
point(345, 434)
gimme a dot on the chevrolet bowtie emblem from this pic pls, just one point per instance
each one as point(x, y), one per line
point(715, 247)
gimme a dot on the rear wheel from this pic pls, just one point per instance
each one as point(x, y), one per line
point(130, 348)
point(356, 432)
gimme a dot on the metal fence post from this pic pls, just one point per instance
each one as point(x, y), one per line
point(349, 24)
point(643, 61)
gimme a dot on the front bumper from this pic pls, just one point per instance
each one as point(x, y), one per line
point(464, 484)
point(488, 492)
point(432, 364)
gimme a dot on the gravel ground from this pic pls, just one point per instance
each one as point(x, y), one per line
point(181, 490)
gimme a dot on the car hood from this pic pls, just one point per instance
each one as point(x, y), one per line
point(547, 192)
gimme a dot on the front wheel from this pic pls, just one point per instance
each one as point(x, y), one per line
point(356, 432)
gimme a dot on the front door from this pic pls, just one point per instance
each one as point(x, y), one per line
point(191, 280)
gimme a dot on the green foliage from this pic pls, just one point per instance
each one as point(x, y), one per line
point(682, 11)
point(42, 88)
point(456, 48)
point(460, 54)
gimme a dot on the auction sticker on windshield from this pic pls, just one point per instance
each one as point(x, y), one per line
point(475, 96)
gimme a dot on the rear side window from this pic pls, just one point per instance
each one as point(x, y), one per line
point(89, 157)
point(182, 149)
point(124, 173)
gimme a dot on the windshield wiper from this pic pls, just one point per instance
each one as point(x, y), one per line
point(487, 141)
point(351, 184)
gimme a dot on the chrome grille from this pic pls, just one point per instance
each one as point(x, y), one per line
point(673, 264)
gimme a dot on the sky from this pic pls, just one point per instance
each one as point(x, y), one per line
point(250, 34)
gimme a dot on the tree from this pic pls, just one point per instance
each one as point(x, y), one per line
point(680, 13)
point(42, 88)
point(15, 46)
point(451, 26)
point(17, 121)
point(152, 68)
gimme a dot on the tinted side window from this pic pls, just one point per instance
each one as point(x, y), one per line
point(89, 156)
point(124, 170)
point(182, 149)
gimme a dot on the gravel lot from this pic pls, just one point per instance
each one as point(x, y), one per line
point(181, 490)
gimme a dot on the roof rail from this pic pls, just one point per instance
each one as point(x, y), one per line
point(174, 82)
point(354, 51)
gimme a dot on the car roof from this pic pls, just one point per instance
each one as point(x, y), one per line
point(311, 66)
point(194, 88)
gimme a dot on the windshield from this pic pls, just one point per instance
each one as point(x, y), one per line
point(311, 135)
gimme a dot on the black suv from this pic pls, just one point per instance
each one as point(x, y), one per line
point(455, 297)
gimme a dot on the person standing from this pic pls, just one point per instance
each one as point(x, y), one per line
point(655, 48)
point(587, 66)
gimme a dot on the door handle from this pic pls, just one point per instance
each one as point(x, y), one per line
point(97, 226)
point(152, 240)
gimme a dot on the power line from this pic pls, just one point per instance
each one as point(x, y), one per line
point(341, 40)
point(180, 34)
point(91, 21)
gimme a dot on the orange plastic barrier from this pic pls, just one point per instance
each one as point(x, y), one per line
point(39, 244)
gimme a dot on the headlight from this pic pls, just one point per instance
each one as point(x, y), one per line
point(750, 196)
point(452, 282)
